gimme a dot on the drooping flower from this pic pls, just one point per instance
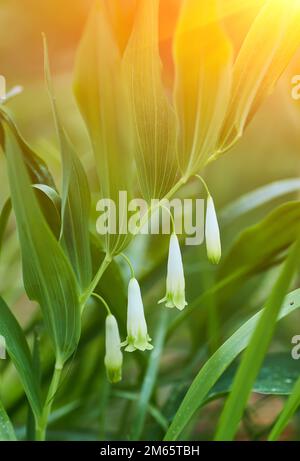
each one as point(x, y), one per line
point(175, 296)
point(212, 233)
point(113, 355)
point(137, 332)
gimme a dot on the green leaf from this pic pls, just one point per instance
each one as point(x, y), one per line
point(103, 102)
point(50, 204)
point(37, 168)
point(7, 433)
point(4, 216)
point(259, 245)
point(257, 198)
point(153, 118)
point(277, 376)
point(19, 353)
point(218, 363)
point(268, 48)
point(203, 68)
point(76, 199)
point(287, 413)
point(48, 276)
point(257, 349)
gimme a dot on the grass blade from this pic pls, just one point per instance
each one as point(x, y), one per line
point(150, 378)
point(287, 413)
point(254, 355)
point(258, 198)
point(218, 363)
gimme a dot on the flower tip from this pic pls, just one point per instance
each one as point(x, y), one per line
point(114, 376)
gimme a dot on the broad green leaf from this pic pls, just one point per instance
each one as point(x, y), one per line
point(50, 203)
point(256, 350)
point(103, 102)
point(76, 199)
point(153, 119)
point(287, 413)
point(257, 198)
point(213, 369)
point(37, 168)
point(259, 245)
point(19, 353)
point(7, 432)
point(4, 216)
point(203, 68)
point(277, 376)
point(48, 276)
point(269, 46)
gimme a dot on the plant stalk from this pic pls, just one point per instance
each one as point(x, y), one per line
point(42, 422)
point(88, 293)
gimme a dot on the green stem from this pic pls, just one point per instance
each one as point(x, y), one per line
point(129, 264)
point(42, 422)
point(103, 302)
point(163, 207)
point(204, 183)
point(90, 290)
point(150, 210)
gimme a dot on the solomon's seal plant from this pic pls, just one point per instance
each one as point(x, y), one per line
point(164, 89)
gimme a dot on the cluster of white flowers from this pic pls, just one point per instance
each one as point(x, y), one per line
point(137, 331)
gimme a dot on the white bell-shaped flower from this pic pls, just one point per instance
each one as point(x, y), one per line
point(137, 333)
point(212, 233)
point(113, 355)
point(175, 296)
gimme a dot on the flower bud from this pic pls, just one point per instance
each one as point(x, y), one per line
point(175, 296)
point(137, 333)
point(113, 356)
point(212, 233)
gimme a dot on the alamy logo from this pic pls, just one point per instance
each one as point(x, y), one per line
point(136, 216)
point(296, 348)
point(2, 348)
point(296, 87)
point(2, 88)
